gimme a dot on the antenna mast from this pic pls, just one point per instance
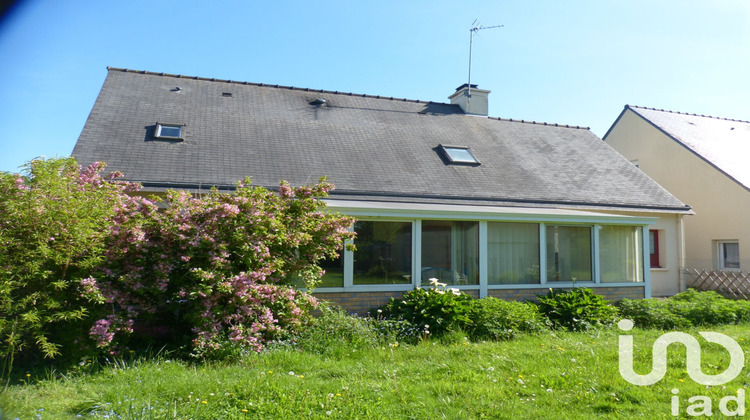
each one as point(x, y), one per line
point(475, 27)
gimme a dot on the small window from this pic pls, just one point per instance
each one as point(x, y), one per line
point(729, 255)
point(459, 154)
point(169, 131)
point(654, 244)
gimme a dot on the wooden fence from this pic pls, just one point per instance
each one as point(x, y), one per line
point(730, 284)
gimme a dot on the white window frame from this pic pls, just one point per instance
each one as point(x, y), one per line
point(720, 262)
point(159, 126)
point(446, 149)
point(349, 263)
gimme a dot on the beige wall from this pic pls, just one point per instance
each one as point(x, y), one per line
point(722, 206)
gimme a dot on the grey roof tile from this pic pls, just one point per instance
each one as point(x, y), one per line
point(723, 142)
point(367, 146)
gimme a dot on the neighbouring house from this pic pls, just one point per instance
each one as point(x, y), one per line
point(703, 161)
point(492, 206)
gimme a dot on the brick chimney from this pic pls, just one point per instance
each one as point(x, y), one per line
point(472, 101)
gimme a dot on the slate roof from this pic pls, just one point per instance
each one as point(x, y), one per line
point(723, 143)
point(370, 147)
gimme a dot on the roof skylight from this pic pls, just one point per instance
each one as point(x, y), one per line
point(459, 154)
point(168, 131)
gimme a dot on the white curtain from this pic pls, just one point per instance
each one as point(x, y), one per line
point(513, 253)
point(620, 254)
point(450, 252)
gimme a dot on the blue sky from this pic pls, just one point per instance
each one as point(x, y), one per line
point(574, 62)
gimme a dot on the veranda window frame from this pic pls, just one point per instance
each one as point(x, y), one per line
point(416, 218)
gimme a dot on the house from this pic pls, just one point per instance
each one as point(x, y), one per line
point(703, 161)
point(492, 206)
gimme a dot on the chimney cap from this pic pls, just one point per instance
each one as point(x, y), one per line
point(466, 85)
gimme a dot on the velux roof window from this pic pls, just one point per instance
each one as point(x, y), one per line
point(169, 131)
point(459, 155)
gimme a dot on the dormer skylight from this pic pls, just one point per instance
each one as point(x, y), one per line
point(459, 155)
point(169, 131)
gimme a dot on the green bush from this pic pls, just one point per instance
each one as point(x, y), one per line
point(435, 310)
point(333, 329)
point(651, 313)
point(577, 309)
point(396, 330)
point(685, 309)
point(708, 308)
point(497, 319)
point(334, 332)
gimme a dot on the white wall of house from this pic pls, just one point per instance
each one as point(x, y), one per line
point(721, 205)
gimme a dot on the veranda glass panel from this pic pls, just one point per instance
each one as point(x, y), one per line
point(334, 275)
point(450, 252)
point(513, 253)
point(568, 253)
point(620, 254)
point(383, 254)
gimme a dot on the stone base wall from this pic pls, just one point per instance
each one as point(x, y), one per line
point(357, 302)
point(361, 302)
point(609, 293)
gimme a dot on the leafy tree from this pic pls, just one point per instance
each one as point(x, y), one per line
point(54, 223)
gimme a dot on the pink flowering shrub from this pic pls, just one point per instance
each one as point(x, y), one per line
point(222, 267)
point(85, 262)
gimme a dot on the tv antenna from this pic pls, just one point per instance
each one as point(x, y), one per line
point(475, 27)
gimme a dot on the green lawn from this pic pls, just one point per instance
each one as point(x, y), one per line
point(550, 376)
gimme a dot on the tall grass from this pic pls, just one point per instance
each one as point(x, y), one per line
point(544, 376)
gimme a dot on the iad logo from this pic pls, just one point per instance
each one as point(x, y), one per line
point(693, 357)
point(693, 364)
